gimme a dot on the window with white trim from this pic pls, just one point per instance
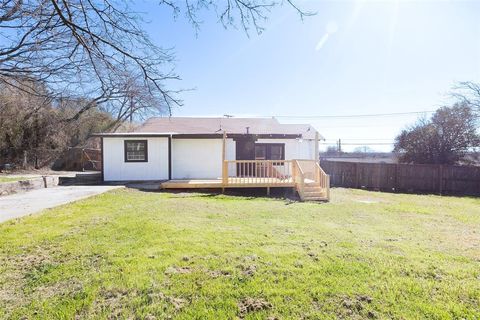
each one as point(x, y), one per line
point(136, 151)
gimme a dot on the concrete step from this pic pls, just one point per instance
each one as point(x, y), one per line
point(88, 178)
point(66, 181)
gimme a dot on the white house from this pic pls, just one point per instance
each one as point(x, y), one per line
point(211, 152)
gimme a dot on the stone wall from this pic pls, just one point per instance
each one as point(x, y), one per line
point(7, 188)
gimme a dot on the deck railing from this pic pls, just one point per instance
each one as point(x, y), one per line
point(258, 172)
point(294, 173)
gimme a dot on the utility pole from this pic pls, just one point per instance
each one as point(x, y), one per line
point(339, 146)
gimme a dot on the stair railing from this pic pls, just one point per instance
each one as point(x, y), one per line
point(323, 180)
point(299, 178)
point(309, 172)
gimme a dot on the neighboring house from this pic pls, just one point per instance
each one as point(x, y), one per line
point(217, 153)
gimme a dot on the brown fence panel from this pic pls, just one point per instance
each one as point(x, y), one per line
point(341, 173)
point(418, 178)
point(376, 176)
point(461, 180)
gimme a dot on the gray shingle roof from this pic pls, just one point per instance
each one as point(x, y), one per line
point(187, 125)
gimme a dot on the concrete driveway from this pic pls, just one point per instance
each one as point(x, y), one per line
point(22, 204)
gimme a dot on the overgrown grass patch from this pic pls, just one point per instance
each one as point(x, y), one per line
point(13, 179)
point(131, 254)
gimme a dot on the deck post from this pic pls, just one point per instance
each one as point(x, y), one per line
point(268, 191)
point(294, 171)
point(224, 163)
point(328, 187)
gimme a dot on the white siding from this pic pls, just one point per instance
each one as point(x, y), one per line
point(230, 150)
point(191, 158)
point(295, 148)
point(116, 169)
point(197, 158)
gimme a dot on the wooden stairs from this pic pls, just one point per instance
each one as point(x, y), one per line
point(314, 192)
point(311, 182)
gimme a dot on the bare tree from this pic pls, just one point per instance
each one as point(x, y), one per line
point(247, 14)
point(98, 49)
point(468, 93)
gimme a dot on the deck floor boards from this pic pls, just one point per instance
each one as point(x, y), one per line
point(236, 182)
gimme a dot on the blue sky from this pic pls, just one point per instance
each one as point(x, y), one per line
point(353, 57)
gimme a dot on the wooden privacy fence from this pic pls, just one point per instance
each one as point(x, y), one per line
point(412, 178)
point(80, 159)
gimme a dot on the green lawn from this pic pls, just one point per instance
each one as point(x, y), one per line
point(137, 255)
point(12, 179)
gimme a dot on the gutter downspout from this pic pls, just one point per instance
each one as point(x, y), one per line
point(170, 157)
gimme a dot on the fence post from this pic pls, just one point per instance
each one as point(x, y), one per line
point(395, 178)
point(81, 159)
point(25, 162)
point(440, 179)
point(357, 186)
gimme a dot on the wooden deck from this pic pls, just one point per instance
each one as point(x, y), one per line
point(233, 182)
point(306, 176)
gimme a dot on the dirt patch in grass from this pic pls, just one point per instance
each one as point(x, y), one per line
point(64, 288)
point(176, 302)
point(33, 259)
point(113, 302)
point(19, 271)
point(248, 304)
point(26, 278)
point(179, 270)
point(356, 307)
point(219, 273)
point(248, 270)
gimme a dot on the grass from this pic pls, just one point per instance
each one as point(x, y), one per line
point(12, 179)
point(135, 255)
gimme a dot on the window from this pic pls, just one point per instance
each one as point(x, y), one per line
point(260, 152)
point(269, 151)
point(136, 151)
point(276, 152)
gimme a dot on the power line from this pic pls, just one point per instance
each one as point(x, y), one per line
point(361, 139)
point(349, 115)
point(360, 144)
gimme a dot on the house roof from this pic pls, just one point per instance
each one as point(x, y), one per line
point(205, 126)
